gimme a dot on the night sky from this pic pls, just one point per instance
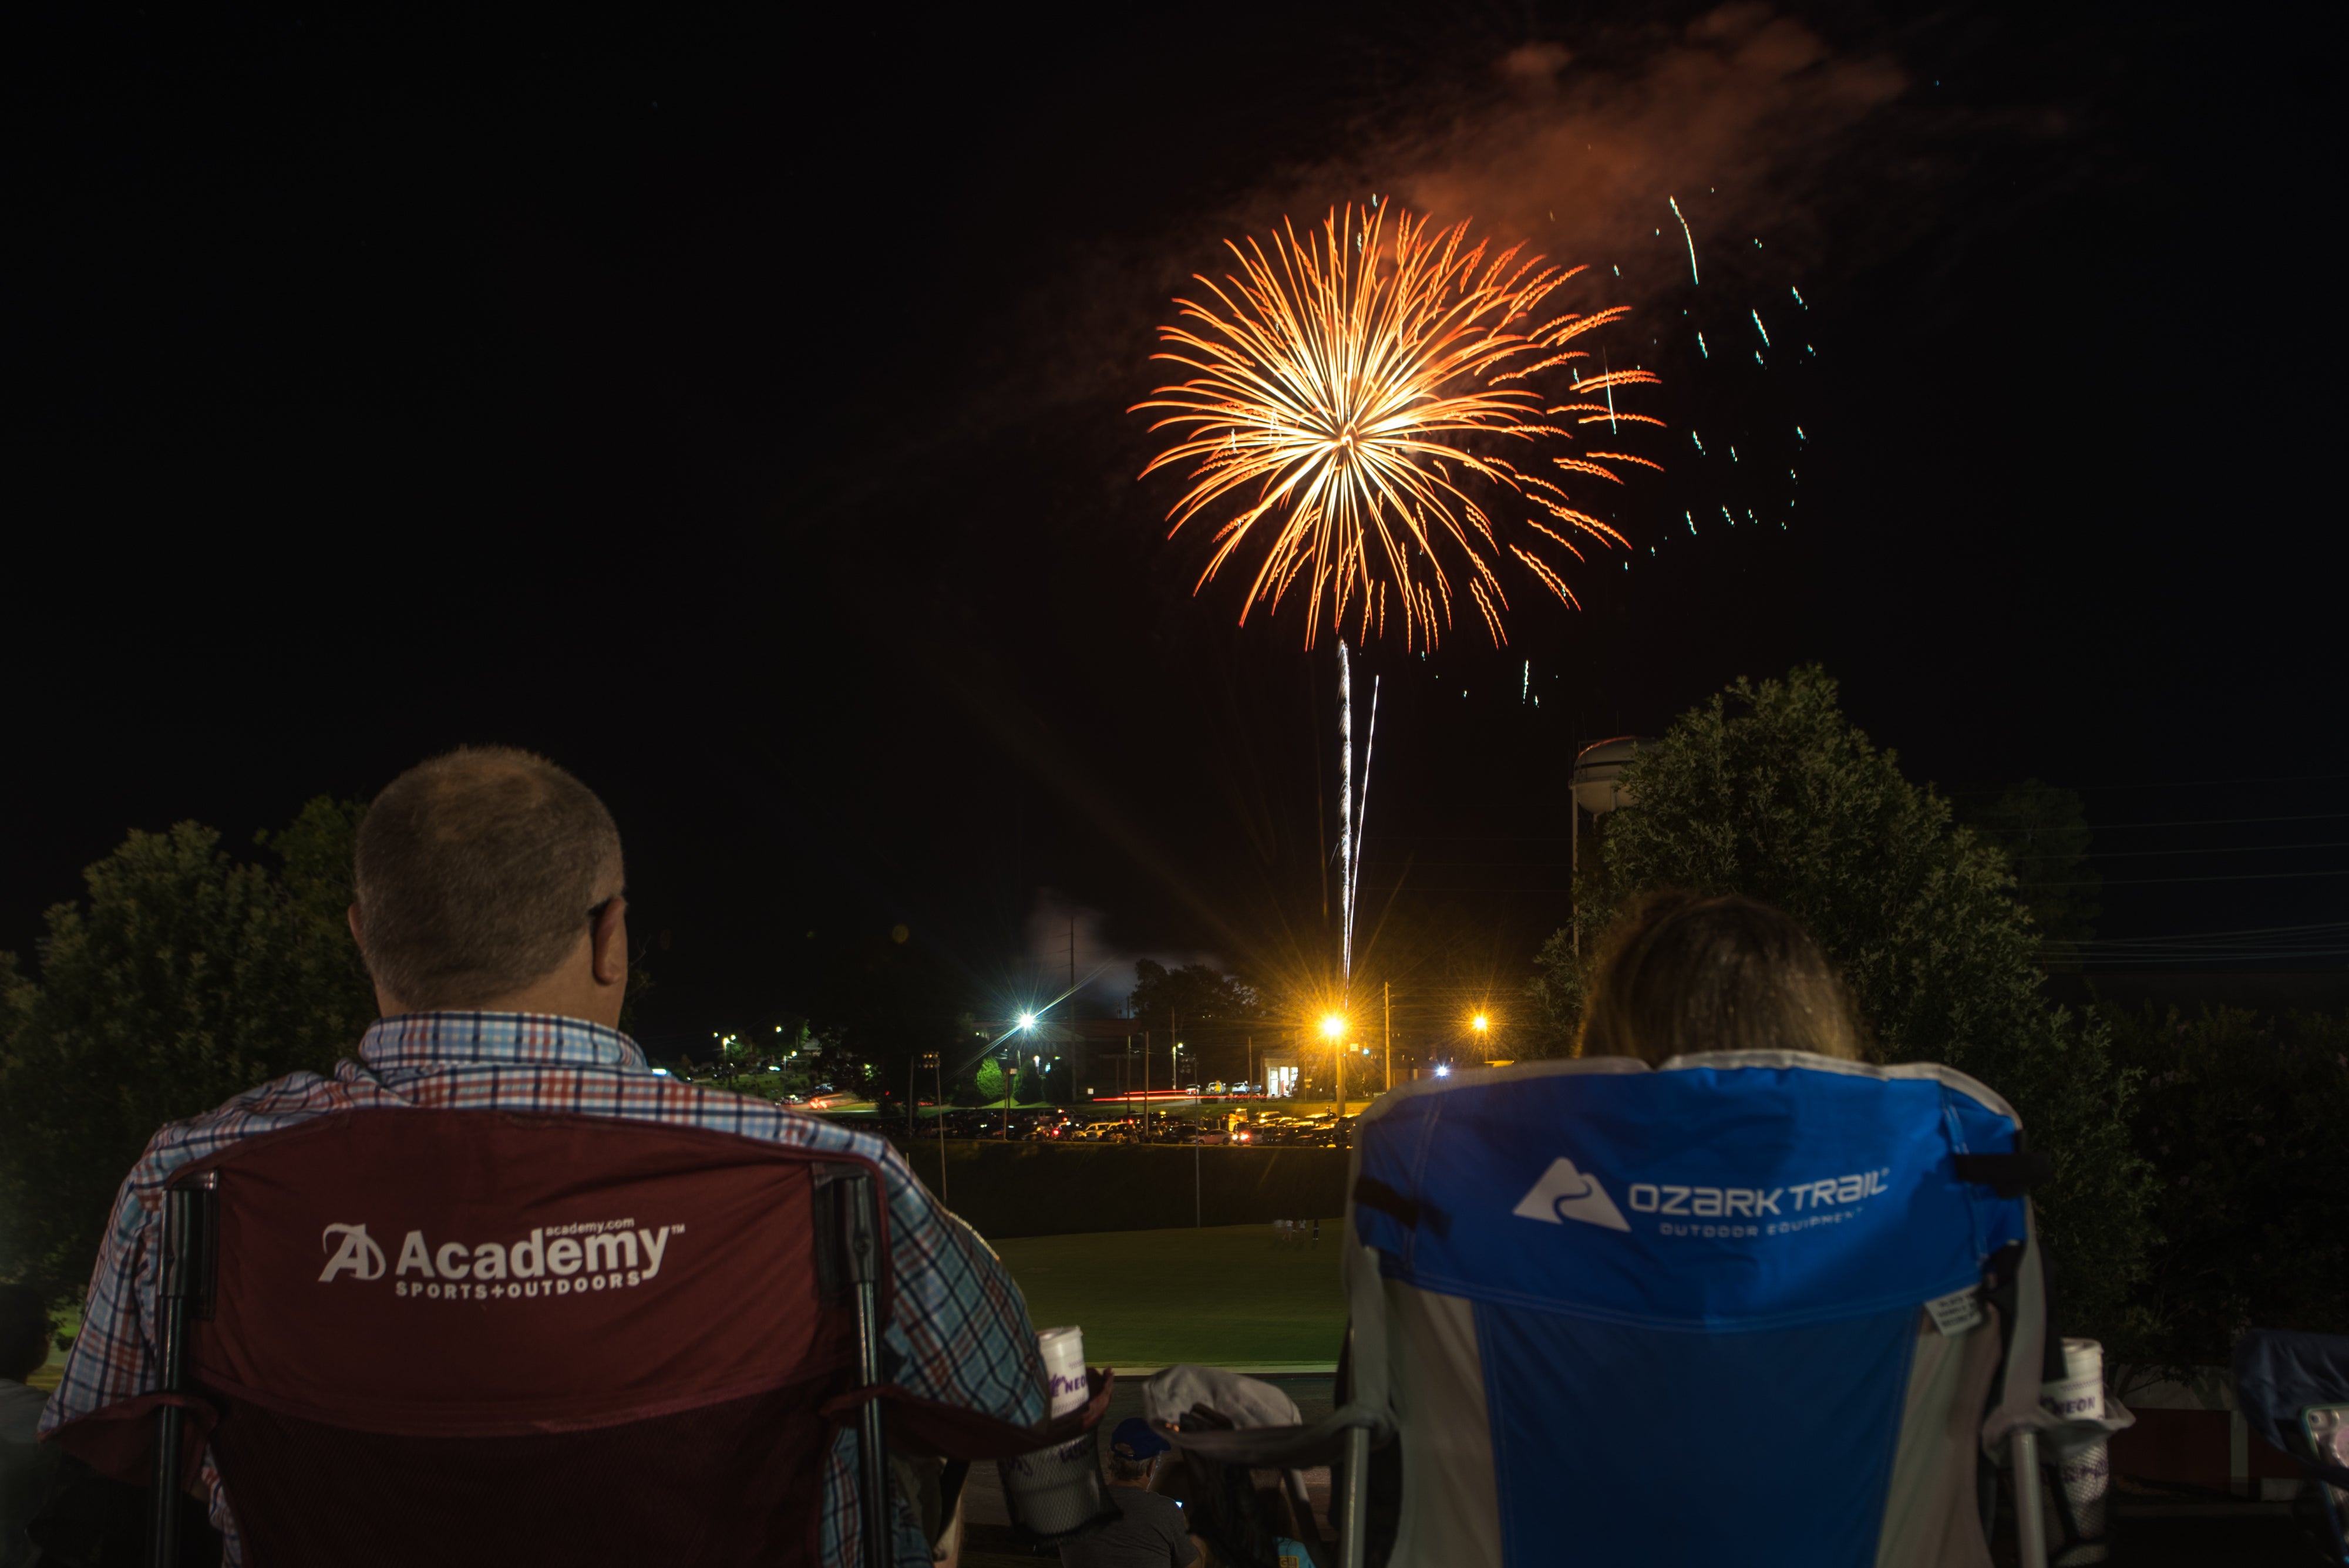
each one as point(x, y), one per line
point(735, 410)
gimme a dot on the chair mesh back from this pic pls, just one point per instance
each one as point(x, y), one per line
point(461, 1336)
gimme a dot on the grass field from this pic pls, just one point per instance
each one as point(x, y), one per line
point(1226, 1295)
point(45, 1378)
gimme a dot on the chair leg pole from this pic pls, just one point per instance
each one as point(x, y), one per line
point(872, 1449)
point(2030, 1522)
point(172, 1354)
point(1354, 1512)
point(872, 1460)
point(164, 1520)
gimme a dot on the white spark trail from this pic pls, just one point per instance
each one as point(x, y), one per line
point(1345, 813)
point(1674, 202)
point(1361, 815)
point(1353, 809)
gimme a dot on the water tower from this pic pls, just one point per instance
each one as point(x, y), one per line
point(1596, 787)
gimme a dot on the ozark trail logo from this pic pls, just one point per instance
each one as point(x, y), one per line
point(1565, 1193)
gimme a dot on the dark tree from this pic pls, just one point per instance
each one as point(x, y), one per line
point(2043, 833)
point(1194, 993)
point(2240, 1115)
point(1770, 791)
point(185, 978)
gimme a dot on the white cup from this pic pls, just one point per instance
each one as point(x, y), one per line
point(2086, 1473)
point(1064, 1350)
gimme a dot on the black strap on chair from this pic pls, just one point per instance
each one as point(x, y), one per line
point(1370, 1192)
point(2008, 1175)
point(190, 1242)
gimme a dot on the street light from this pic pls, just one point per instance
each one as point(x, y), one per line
point(1027, 1021)
point(1333, 1028)
point(1481, 1026)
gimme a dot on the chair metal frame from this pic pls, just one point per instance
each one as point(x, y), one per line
point(1353, 1503)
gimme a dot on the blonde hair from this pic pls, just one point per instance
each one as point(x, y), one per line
point(1682, 973)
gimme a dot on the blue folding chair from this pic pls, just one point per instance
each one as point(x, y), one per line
point(2294, 1389)
point(1764, 1308)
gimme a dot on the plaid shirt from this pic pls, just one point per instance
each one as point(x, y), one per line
point(961, 1329)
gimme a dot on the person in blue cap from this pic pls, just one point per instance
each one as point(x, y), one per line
point(1150, 1531)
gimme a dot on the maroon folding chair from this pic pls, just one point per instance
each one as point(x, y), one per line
point(484, 1337)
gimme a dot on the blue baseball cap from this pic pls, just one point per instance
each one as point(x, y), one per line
point(1136, 1439)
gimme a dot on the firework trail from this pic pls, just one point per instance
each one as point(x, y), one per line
point(1346, 389)
point(1353, 810)
point(1674, 202)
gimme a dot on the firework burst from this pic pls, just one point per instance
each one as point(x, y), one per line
point(1350, 388)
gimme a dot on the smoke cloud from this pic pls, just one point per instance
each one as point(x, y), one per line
point(1736, 119)
point(1063, 933)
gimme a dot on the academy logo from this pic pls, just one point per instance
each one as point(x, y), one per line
point(358, 1255)
point(1565, 1193)
point(558, 1260)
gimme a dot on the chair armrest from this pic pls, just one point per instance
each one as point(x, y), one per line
point(1287, 1447)
point(932, 1429)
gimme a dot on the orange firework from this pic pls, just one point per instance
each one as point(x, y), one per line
point(1348, 388)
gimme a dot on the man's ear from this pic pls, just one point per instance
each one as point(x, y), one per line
point(351, 916)
point(610, 944)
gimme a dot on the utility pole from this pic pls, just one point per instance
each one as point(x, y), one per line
point(1173, 1080)
point(930, 1060)
point(1386, 991)
point(1338, 1056)
point(1072, 954)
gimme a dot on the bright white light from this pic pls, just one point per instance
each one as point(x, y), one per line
point(660, 1072)
point(1444, 1072)
point(1027, 1021)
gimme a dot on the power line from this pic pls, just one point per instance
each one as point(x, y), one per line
point(2212, 784)
point(2211, 849)
point(1526, 863)
point(2149, 881)
point(2180, 822)
point(1984, 828)
point(2342, 926)
point(1481, 837)
point(2239, 955)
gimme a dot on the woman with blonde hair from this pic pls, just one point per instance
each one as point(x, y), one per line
point(1682, 973)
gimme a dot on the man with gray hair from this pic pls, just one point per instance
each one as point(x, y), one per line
point(491, 914)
